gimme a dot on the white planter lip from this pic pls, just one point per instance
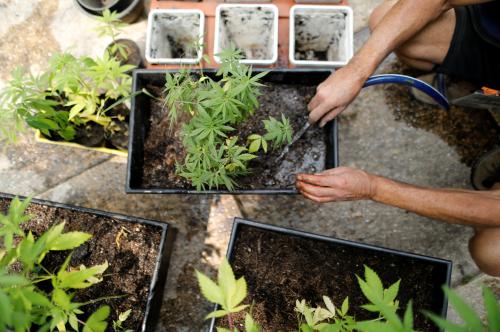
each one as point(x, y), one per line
point(201, 33)
point(275, 11)
point(349, 31)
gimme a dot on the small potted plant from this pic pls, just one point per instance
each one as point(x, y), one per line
point(252, 28)
point(124, 50)
point(222, 131)
point(63, 267)
point(127, 10)
point(175, 36)
point(78, 101)
point(321, 35)
point(284, 273)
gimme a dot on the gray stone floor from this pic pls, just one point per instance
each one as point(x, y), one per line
point(370, 138)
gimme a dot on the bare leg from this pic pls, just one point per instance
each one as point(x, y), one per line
point(484, 246)
point(430, 46)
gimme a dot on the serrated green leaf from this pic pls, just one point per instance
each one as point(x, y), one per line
point(69, 240)
point(210, 290)
point(250, 325)
point(345, 306)
point(217, 314)
point(97, 321)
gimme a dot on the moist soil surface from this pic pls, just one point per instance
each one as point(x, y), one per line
point(471, 132)
point(131, 264)
point(280, 269)
point(163, 145)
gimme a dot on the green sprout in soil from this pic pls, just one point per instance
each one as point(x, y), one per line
point(229, 293)
point(111, 26)
point(24, 304)
point(210, 110)
point(73, 93)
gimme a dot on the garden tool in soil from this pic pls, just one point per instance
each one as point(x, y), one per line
point(428, 89)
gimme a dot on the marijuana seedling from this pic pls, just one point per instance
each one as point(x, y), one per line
point(111, 26)
point(118, 324)
point(213, 108)
point(23, 305)
point(471, 320)
point(228, 293)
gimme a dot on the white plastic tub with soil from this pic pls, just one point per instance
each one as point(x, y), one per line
point(251, 28)
point(174, 35)
point(321, 35)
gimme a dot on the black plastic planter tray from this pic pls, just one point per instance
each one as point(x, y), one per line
point(155, 296)
point(139, 127)
point(393, 260)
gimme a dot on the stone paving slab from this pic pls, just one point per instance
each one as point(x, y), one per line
point(471, 293)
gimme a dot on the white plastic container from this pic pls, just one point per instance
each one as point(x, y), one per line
point(251, 28)
point(173, 35)
point(321, 35)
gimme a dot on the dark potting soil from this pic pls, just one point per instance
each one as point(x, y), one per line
point(94, 135)
point(280, 269)
point(131, 264)
point(163, 146)
point(133, 53)
point(471, 132)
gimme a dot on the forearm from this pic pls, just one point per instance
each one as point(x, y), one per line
point(467, 207)
point(403, 21)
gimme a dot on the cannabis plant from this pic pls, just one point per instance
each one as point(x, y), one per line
point(71, 93)
point(229, 293)
point(111, 26)
point(471, 321)
point(215, 155)
point(24, 304)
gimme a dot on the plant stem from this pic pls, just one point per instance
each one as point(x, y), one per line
point(230, 322)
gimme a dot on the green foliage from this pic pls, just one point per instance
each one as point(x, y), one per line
point(72, 92)
point(118, 324)
point(111, 26)
point(210, 110)
point(22, 303)
point(471, 321)
point(279, 132)
point(229, 293)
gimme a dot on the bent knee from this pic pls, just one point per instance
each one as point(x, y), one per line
point(484, 248)
point(379, 12)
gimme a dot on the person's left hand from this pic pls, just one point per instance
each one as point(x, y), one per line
point(337, 184)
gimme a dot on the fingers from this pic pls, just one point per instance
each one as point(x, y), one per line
point(316, 198)
point(314, 179)
point(330, 116)
point(317, 191)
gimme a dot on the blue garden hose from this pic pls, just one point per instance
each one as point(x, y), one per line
point(410, 81)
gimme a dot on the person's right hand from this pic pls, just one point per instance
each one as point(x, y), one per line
point(335, 94)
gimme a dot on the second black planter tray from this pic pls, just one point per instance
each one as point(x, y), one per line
point(282, 265)
point(140, 126)
point(122, 261)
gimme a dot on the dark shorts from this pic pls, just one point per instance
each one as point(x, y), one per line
point(470, 57)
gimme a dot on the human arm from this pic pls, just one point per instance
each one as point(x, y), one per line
point(457, 206)
point(403, 21)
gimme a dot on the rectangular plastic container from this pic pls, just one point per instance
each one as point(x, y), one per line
point(172, 33)
point(252, 28)
point(321, 35)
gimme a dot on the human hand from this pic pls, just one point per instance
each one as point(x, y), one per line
point(337, 184)
point(335, 94)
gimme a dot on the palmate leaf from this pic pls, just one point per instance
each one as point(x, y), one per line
point(209, 289)
point(97, 321)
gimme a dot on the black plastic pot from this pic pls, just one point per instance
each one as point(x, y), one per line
point(441, 268)
point(128, 10)
point(155, 296)
point(139, 127)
